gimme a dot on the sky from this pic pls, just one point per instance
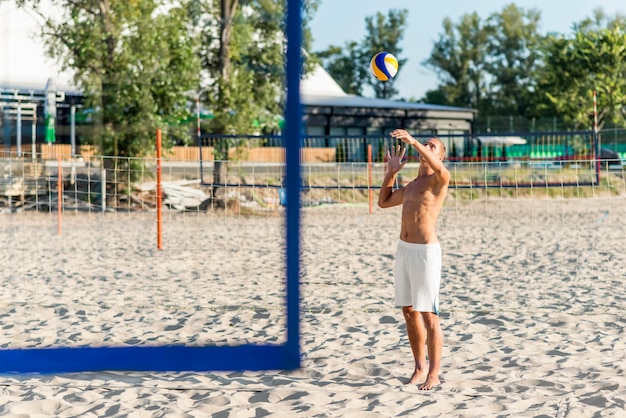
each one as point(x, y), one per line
point(339, 21)
point(335, 23)
point(22, 58)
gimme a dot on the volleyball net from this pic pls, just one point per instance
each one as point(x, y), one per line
point(77, 206)
point(83, 267)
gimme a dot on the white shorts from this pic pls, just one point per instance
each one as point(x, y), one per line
point(418, 276)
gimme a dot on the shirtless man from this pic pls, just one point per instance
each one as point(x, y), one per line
point(418, 260)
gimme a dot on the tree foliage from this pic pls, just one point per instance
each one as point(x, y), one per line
point(141, 63)
point(459, 58)
point(504, 66)
point(489, 65)
point(243, 49)
point(134, 62)
point(513, 59)
point(591, 59)
point(347, 66)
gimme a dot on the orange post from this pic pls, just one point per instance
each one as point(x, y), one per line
point(59, 194)
point(159, 196)
point(369, 177)
point(596, 139)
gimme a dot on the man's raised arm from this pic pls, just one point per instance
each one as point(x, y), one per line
point(433, 160)
point(387, 197)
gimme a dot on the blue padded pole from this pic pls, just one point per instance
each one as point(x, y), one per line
point(144, 358)
point(293, 122)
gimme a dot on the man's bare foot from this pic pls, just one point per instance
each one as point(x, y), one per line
point(430, 383)
point(417, 376)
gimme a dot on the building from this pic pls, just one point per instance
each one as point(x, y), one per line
point(37, 100)
point(334, 118)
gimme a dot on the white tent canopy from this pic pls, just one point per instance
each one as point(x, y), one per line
point(320, 83)
point(501, 140)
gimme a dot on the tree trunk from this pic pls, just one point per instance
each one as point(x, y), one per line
point(219, 177)
point(228, 8)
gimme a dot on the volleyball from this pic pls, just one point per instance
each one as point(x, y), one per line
point(384, 66)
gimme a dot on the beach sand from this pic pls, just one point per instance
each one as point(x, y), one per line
point(532, 311)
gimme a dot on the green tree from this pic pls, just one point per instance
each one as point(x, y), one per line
point(243, 69)
point(490, 65)
point(134, 62)
point(459, 58)
point(347, 66)
point(514, 58)
point(436, 96)
point(575, 66)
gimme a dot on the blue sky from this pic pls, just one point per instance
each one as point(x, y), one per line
point(338, 21)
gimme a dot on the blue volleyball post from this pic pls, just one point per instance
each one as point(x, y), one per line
point(293, 122)
point(209, 358)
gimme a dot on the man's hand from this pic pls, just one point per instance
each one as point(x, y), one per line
point(432, 153)
point(395, 159)
point(403, 136)
point(387, 197)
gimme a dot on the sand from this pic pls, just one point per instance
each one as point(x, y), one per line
point(532, 310)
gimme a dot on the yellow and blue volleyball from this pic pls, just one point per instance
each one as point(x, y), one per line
point(384, 66)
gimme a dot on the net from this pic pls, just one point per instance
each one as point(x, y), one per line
point(223, 258)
